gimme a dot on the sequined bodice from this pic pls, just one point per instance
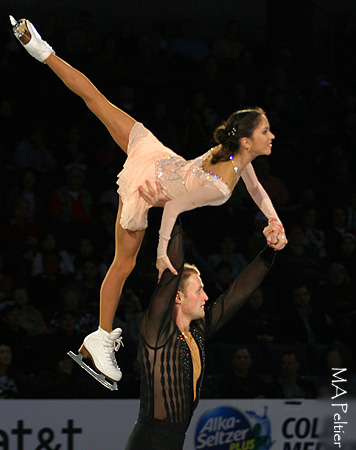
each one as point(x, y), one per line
point(178, 176)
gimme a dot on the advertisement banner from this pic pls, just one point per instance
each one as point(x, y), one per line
point(216, 425)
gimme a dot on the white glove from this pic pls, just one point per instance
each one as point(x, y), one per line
point(36, 47)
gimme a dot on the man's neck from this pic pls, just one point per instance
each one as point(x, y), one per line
point(182, 322)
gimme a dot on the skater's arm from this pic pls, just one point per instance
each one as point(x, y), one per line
point(116, 121)
point(258, 194)
point(157, 322)
point(262, 200)
point(207, 194)
point(220, 311)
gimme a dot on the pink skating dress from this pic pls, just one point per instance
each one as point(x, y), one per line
point(184, 182)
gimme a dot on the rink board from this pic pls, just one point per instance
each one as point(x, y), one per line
point(216, 424)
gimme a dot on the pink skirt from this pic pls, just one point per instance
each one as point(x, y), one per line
point(144, 150)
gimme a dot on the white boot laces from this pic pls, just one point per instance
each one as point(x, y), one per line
point(118, 343)
point(111, 346)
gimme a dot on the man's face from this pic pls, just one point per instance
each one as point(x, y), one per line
point(193, 300)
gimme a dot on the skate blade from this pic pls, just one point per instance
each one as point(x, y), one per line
point(98, 376)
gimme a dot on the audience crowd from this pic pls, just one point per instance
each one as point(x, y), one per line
point(58, 206)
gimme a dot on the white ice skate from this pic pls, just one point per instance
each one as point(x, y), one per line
point(100, 347)
point(29, 37)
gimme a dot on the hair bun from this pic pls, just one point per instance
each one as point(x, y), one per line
point(221, 135)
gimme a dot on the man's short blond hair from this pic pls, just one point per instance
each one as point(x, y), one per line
point(188, 270)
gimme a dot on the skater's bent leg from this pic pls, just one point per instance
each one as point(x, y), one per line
point(127, 245)
point(116, 121)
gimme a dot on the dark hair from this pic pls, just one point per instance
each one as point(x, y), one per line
point(240, 124)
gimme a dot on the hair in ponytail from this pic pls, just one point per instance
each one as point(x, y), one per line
point(240, 124)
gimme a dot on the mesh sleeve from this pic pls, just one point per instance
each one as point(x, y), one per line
point(157, 323)
point(235, 297)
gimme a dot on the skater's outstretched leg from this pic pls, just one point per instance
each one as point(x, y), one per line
point(116, 121)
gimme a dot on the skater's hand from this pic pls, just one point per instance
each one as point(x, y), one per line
point(275, 235)
point(155, 197)
point(163, 264)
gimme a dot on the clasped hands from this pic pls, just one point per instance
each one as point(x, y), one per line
point(154, 196)
point(275, 234)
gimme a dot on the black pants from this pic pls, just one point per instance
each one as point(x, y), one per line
point(154, 437)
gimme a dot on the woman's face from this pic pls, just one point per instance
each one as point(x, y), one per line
point(261, 139)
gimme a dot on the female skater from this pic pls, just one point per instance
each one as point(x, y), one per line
point(206, 180)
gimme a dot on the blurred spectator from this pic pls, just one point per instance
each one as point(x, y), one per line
point(45, 287)
point(34, 153)
point(331, 358)
point(34, 193)
point(63, 338)
point(348, 255)
point(188, 44)
point(8, 126)
point(89, 285)
point(162, 126)
point(70, 299)
point(16, 337)
point(6, 281)
point(303, 320)
point(229, 47)
point(334, 231)
point(337, 295)
point(59, 379)
point(71, 206)
point(81, 42)
point(31, 318)
point(48, 242)
point(290, 384)
point(295, 262)
point(53, 33)
point(314, 238)
point(228, 253)
point(199, 119)
point(18, 232)
point(273, 185)
point(74, 147)
point(256, 242)
point(8, 387)
point(105, 232)
point(256, 322)
point(72, 203)
point(85, 251)
point(221, 281)
point(351, 213)
point(158, 41)
point(240, 381)
point(129, 314)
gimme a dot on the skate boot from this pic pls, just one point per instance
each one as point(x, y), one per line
point(29, 37)
point(100, 347)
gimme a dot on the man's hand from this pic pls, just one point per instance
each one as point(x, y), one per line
point(155, 197)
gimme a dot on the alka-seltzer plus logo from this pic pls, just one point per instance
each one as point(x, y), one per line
point(227, 428)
